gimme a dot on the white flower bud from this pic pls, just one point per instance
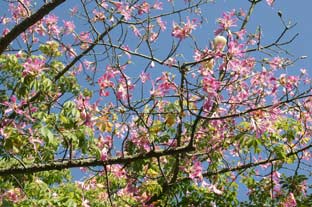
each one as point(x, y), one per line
point(219, 42)
point(208, 64)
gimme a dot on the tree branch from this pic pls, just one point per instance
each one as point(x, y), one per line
point(254, 164)
point(91, 162)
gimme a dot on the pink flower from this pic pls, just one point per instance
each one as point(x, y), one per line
point(98, 16)
point(227, 20)
point(69, 27)
point(270, 2)
point(126, 49)
point(104, 154)
point(163, 85)
point(51, 23)
point(18, 10)
point(170, 61)
point(5, 31)
point(84, 37)
point(211, 85)
point(105, 82)
point(136, 31)
point(240, 34)
point(277, 62)
point(73, 11)
point(51, 19)
point(12, 106)
point(123, 88)
point(15, 195)
point(33, 66)
point(4, 20)
point(124, 9)
point(290, 201)
point(144, 7)
point(236, 49)
point(184, 30)
point(196, 171)
point(85, 203)
point(144, 77)
point(211, 187)
point(161, 24)
point(104, 4)
point(157, 5)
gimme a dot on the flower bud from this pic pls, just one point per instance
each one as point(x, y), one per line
point(208, 64)
point(219, 42)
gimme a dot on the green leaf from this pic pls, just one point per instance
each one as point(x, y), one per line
point(47, 134)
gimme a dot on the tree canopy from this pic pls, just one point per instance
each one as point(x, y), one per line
point(151, 103)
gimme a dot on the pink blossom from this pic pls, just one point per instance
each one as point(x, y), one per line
point(196, 171)
point(86, 109)
point(184, 30)
point(240, 34)
point(85, 203)
point(170, 61)
point(126, 49)
point(4, 20)
point(104, 4)
point(51, 19)
point(227, 20)
point(144, 7)
point(153, 36)
point(211, 187)
point(69, 27)
point(122, 129)
point(33, 66)
point(18, 10)
point(157, 5)
point(51, 23)
point(118, 170)
point(70, 51)
point(12, 106)
point(236, 49)
point(5, 31)
point(163, 85)
point(35, 141)
point(123, 89)
point(270, 2)
point(136, 31)
point(144, 77)
point(289, 82)
point(98, 16)
point(161, 24)
point(290, 201)
point(88, 64)
point(277, 62)
point(211, 85)
point(15, 195)
point(123, 9)
point(140, 137)
point(106, 82)
point(104, 154)
point(84, 37)
point(74, 11)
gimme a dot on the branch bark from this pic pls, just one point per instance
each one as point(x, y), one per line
point(28, 22)
point(91, 162)
point(255, 164)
